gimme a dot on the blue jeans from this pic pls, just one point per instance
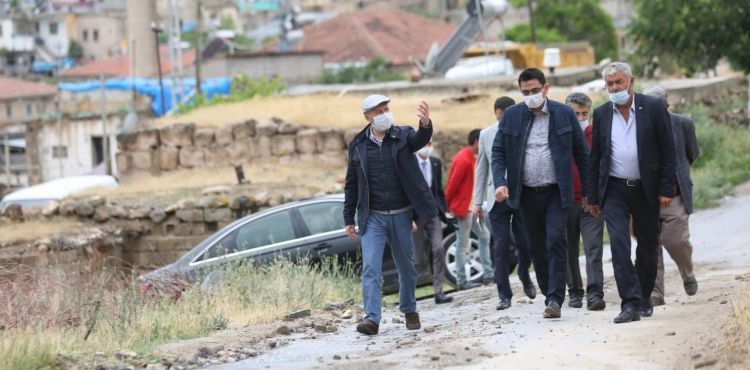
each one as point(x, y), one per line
point(395, 229)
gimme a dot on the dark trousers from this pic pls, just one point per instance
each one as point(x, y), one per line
point(634, 283)
point(583, 225)
point(429, 237)
point(546, 221)
point(502, 218)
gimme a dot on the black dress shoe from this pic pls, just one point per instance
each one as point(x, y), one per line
point(467, 285)
point(442, 298)
point(552, 311)
point(596, 304)
point(627, 315)
point(504, 304)
point(647, 311)
point(530, 291)
point(575, 302)
point(691, 287)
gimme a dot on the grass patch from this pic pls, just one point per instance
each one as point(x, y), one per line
point(35, 229)
point(725, 152)
point(76, 314)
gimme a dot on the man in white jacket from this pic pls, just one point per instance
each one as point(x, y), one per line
point(501, 217)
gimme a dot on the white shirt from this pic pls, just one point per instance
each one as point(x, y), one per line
point(426, 167)
point(624, 156)
point(538, 167)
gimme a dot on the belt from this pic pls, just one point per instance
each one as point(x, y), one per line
point(627, 182)
point(393, 211)
point(541, 189)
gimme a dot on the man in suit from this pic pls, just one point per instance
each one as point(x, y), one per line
point(430, 231)
point(632, 173)
point(501, 217)
point(535, 145)
point(675, 228)
point(582, 225)
point(384, 188)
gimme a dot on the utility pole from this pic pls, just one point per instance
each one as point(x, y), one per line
point(532, 24)
point(199, 48)
point(6, 146)
point(105, 136)
point(157, 30)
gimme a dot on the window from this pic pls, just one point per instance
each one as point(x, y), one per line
point(85, 35)
point(53, 28)
point(95, 35)
point(267, 230)
point(29, 109)
point(8, 110)
point(323, 217)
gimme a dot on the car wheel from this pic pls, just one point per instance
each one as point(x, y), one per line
point(473, 267)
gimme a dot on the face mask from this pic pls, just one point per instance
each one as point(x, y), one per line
point(620, 97)
point(534, 101)
point(584, 124)
point(382, 122)
point(425, 152)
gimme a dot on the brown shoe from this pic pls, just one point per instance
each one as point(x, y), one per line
point(552, 311)
point(412, 321)
point(367, 327)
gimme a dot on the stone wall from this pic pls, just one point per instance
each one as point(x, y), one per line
point(183, 146)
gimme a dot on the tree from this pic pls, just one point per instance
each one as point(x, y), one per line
point(75, 50)
point(522, 33)
point(693, 33)
point(573, 20)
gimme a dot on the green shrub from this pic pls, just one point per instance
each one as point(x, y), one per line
point(243, 88)
point(377, 69)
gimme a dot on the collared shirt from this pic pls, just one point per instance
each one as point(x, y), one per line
point(426, 167)
point(624, 155)
point(371, 135)
point(538, 168)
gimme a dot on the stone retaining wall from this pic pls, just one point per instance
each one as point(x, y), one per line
point(182, 146)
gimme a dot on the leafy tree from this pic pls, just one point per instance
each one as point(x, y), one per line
point(693, 33)
point(75, 50)
point(738, 51)
point(522, 33)
point(573, 20)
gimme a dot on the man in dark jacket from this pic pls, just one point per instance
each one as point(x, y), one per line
point(429, 232)
point(675, 229)
point(385, 188)
point(536, 145)
point(631, 175)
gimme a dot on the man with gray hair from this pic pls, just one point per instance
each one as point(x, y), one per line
point(582, 224)
point(631, 174)
point(675, 230)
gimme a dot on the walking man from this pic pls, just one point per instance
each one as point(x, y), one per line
point(632, 173)
point(501, 217)
point(535, 146)
point(458, 195)
point(582, 224)
point(430, 231)
point(675, 228)
point(384, 188)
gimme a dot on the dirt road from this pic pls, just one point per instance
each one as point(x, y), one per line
point(470, 333)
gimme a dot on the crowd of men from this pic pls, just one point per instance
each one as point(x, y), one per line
point(531, 185)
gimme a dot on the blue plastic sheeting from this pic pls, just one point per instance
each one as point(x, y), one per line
point(210, 87)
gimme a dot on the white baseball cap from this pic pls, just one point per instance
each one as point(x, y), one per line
point(373, 101)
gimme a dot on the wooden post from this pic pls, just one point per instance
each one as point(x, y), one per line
point(105, 136)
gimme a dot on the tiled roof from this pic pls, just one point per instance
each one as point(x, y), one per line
point(362, 35)
point(119, 66)
point(13, 88)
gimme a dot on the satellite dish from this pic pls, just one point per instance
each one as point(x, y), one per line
point(129, 123)
point(496, 7)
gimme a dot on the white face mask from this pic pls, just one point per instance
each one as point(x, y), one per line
point(534, 101)
point(425, 152)
point(383, 122)
point(584, 124)
point(621, 97)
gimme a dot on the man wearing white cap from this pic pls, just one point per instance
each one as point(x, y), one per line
point(385, 189)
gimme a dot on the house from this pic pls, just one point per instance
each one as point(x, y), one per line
point(21, 103)
point(359, 36)
point(118, 66)
point(101, 35)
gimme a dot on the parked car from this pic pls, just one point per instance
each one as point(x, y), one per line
point(55, 190)
point(300, 231)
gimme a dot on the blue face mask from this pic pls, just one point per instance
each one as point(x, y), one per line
point(620, 97)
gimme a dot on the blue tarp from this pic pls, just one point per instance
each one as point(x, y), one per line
point(210, 87)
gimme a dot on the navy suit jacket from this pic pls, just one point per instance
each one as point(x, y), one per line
point(656, 153)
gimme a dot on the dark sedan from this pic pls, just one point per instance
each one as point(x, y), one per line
point(308, 229)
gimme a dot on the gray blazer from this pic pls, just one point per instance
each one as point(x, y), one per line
point(484, 190)
point(687, 151)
